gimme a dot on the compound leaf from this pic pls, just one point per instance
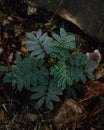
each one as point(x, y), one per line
point(39, 44)
point(40, 102)
point(63, 33)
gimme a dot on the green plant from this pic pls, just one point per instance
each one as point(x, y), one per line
point(38, 45)
point(26, 72)
point(51, 65)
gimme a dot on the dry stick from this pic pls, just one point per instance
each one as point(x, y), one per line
point(98, 110)
point(94, 92)
point(56, 11)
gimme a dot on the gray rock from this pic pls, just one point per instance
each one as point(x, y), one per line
point(88, 15)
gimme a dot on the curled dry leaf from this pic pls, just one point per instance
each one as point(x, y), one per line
point(69, 112)
point(99, 73)
point(94, 88)
point(94, 56)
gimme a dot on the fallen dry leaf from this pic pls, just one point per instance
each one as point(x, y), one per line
point(94, 56)
point(99, 73)
point(94, 88)
point(69, 112)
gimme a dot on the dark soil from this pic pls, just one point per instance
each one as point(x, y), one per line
point(15, 106)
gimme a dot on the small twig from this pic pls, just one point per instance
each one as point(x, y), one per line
point(101, 28)
point(56, 11)
point(94, 92)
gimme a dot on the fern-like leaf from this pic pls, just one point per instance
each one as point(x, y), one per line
point(39, 44)
point(75, 91)
point(60, 74)
point(72, 70)
point(46, 93)
point(62, 44)
point(26, 72)
point(4, 68)
point(66, 67)
point(78, 68)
